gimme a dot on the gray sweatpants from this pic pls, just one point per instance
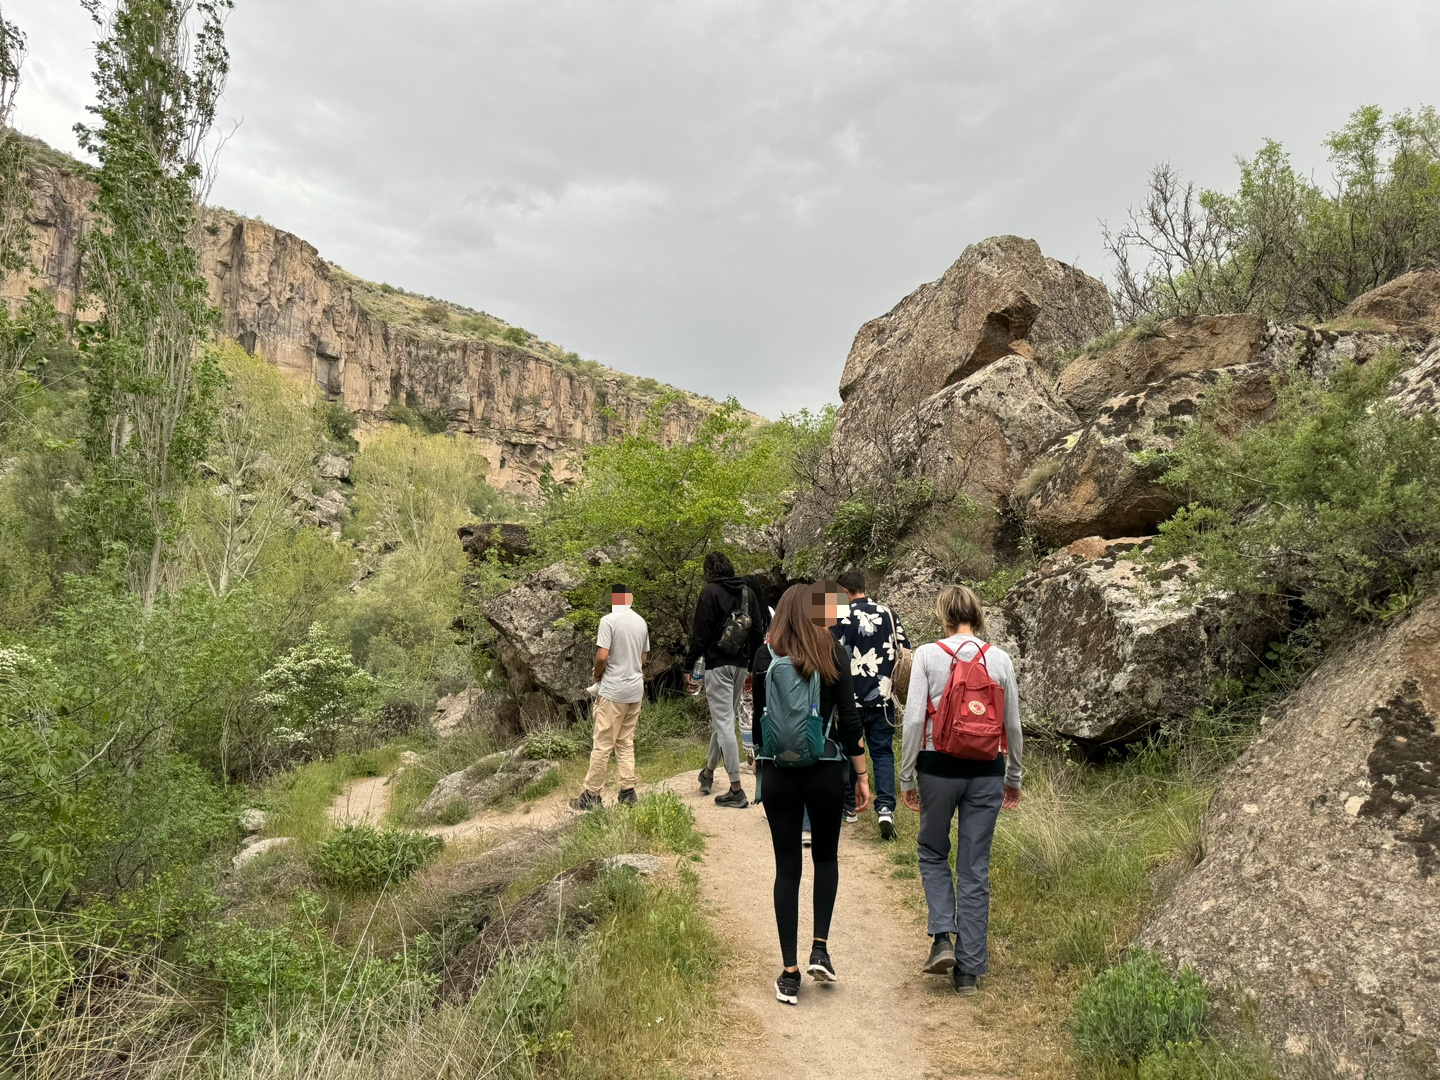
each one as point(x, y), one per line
point(724, 687)
point(960, 903)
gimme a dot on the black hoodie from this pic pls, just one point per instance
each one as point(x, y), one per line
point(717, 600)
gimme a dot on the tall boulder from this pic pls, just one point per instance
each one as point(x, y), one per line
point(1108, 650)
point(1103, 479)
point(919, 398)
point(1408, 306)
point(1002, 296)
point(1176, 347)
point(1319, 890)
point(546, 659)
point(1416, 390)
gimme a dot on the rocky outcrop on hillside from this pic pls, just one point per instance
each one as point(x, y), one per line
point(920, 398)
point(1409, 306)
point(546, 659)
point(1109, 648)
point(1319, 890)
point(278, 298)
point(1175, 347)
point(1103, 479)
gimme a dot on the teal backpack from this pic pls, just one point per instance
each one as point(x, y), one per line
point(791, 728)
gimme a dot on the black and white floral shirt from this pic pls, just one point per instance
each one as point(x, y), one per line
point(869, 634)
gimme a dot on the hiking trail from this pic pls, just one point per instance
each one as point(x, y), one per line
point(882, 1016)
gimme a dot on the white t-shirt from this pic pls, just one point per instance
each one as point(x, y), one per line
point(627, 637)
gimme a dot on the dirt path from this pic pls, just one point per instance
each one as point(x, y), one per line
point(363, 802)
point(882, 1014)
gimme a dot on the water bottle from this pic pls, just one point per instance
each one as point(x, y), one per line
point(698, 675)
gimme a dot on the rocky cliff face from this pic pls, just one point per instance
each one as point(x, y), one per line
point(278, 298)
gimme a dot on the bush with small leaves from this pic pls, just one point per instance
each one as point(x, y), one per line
point(551, 745)
point(361, 858)
point(1137, 1008)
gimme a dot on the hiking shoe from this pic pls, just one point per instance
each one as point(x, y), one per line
point(627, 797)
point(851, 817)
point(887, 825)
point(735, 799)
point(707, 781)
point(586, 801)
point(966, 985)
point(787, 987)
point(805, 838)
point(942, 956)
point(821, 969)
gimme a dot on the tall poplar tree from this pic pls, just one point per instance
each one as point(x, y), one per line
point(161, 66)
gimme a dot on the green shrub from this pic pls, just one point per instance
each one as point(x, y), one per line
point(662, 818)
point(1197, 1060)
point(1333, 503)
point(453, 812)
point(361, 858)
point(338, 422)
point(557, 745)
point(1138, 1008)
point(515, 335)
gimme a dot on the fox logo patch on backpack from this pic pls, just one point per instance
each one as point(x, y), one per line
point(969, 721)
point(791, 729)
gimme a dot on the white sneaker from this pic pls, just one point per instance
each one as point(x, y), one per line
point(851, 817)
point(805, 838)
point(887, 825)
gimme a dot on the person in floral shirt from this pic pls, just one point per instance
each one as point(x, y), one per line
point(870, 632)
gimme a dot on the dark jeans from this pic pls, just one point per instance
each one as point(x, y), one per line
point(789, 795)
point(880, 741)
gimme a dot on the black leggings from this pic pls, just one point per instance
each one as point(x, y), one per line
point(786, 795)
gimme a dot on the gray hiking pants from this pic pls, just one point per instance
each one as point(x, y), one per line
point(724, 687)
point(960, 903)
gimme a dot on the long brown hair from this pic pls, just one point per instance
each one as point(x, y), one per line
point(810, 648)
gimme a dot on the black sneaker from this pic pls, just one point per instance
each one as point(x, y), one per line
point(587, 801)
point(735, 798)
point(887, 825)
point(787, 987)
point(627, 797)
point(821, 969)
point(966, 985)
point(707, 781)
point(942, 956)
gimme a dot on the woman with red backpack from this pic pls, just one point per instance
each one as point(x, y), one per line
point(806, 726)
point(961, 757)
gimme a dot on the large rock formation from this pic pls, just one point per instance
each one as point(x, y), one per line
point(1175, 347)
point(1107, 650)
point(1102, 480)
point(279, 299)
point(1001, 297)
point(1319, 890)
point(1408, 306)
point(1416, 390)
point(546, 659)
point(920, 398)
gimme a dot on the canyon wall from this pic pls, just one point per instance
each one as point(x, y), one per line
point(278, 298)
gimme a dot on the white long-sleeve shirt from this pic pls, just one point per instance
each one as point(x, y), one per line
point(929, 672)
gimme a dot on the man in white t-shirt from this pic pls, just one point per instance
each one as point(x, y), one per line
point(621, 648)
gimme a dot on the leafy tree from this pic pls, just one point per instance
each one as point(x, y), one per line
point(659, 509)
point(160, 68)
point(1281, 245)
point(1332, 505)
point(315, 689)
point(266, 437)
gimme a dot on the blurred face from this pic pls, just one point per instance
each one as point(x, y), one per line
point(824, 608)
point(620, 599)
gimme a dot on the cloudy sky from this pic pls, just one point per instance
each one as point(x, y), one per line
point(717, 193)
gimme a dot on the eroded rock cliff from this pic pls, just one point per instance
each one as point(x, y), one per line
point(526, 402)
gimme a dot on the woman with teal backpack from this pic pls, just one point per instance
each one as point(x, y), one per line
point(806, 725)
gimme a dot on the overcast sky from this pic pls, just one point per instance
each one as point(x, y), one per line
point(717, 193)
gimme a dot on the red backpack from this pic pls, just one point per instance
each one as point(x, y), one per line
point(969, 722)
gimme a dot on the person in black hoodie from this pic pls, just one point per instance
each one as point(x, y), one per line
point(727, 675)
point(788, 793)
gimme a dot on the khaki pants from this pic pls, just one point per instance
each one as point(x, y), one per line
point(614, 730)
